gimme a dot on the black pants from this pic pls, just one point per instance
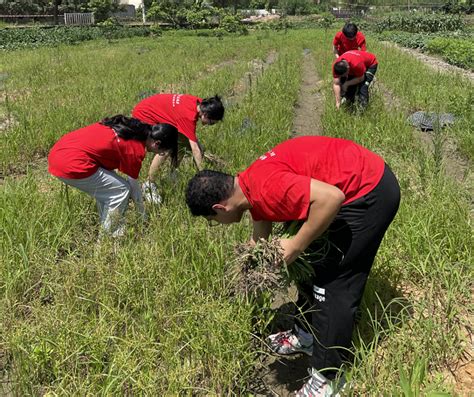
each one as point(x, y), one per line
point(361, 89)
point(330, 302)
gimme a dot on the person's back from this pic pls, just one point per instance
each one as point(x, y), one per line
point(279, 176)
point(80, 153)
point(179, 110)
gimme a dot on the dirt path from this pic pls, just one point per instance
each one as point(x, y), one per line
point(433, 62)
point(281, 376)
point(309, 107)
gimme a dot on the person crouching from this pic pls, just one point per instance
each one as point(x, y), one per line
point(86, 159)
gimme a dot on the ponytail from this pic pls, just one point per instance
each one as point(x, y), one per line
point(128, 127)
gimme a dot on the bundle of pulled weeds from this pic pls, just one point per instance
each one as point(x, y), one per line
point(258, 268)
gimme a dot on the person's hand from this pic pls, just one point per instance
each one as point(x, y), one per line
point(290, 250)
point(338, 105)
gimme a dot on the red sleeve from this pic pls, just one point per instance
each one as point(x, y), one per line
point(337, 39)
point(187, 128)
point(284, 197)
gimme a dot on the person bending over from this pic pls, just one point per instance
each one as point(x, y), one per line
point(353, 72)
point(348, 39)
point(330, 185)
point(86, 159)
point(182, 111)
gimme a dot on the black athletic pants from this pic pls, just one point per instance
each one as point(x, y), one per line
point(329, 304)
point(362, 88)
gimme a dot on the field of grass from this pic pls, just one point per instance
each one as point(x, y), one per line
point(149, 314)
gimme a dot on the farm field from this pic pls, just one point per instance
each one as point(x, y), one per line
point(150, 314)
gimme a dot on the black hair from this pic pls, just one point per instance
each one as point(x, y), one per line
point(131, 128)
point(128, 127)
point(212, 108)
point(167, 134)
point(207, 188)
point(350, 30)
point(340, 68)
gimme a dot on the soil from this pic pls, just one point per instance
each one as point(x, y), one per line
point(281, 376)
point(309, 107)
point(432, 61)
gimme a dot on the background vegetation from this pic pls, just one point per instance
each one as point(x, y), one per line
point(150, 314)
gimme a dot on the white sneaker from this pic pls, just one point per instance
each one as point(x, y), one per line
point(150, 193)
point(291, 342)
point(319, 386)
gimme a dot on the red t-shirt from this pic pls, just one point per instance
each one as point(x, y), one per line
point(178, 110)
point(359, 62)
point(343, 44)
point(80, 153)
point(277, 185)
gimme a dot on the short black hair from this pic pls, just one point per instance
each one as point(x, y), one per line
point(350, 30)
point(212, 108)
point(207, 188)
point(340, 68)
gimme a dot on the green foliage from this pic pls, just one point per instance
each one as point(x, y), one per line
point(405, 39)
point(327, 20)
point(12, 39)
point(102, 8)
point(456, 49)
point(231, 23)
point(275, 25)
point(295, 7)
point(458, 52)
point(420, 22)
point(457, 7)
point(156, 30)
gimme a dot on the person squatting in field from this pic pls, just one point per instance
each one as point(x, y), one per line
point(353, 72)
point(331, 185)
point(348, 39)
point(86, 159)
point(182, 111)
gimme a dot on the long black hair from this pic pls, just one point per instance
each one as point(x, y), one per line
point(128, 127)
point(131, 128)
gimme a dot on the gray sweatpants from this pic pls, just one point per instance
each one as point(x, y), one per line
point(112, 193)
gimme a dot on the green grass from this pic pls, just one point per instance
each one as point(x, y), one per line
point(149, 315)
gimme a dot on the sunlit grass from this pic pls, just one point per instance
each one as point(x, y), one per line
point(149, 314)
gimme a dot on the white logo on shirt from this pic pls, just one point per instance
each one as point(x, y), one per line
point(176, 99)
point(271, 153)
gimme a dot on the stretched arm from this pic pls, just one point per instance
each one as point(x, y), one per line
point(197, 154)
point(326, 200)
point(261, 229)
point(336, 87)
point(334, 50)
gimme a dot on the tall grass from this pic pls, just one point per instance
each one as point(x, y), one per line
point(149, 314)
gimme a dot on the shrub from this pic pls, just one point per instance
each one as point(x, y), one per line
point(458, 52)
point(12, 39)
point(231, 24)
point(295, 7)
point(420, 22)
